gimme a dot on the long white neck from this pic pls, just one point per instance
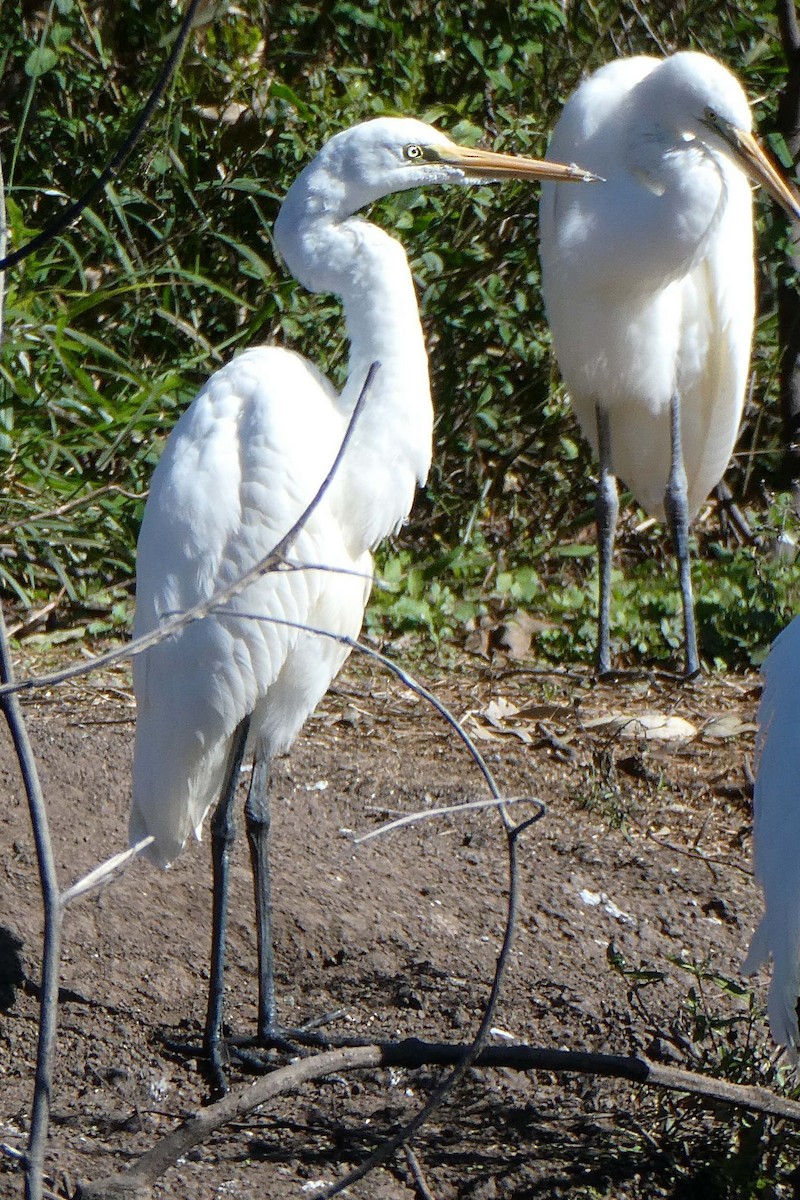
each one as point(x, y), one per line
point(682, 194)
point(391, 449)
point(664, 195)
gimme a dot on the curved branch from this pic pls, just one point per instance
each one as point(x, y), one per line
point(270, 562)
point(134, 1183)
point(74, 210)
point(470, 1055)
point(48, 880)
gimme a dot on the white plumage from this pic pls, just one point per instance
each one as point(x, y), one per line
point(649, 283)
point(239, 469)
point(776, 835)
point(241, 466)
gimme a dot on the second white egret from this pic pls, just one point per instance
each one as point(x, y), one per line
point(649, 288)
point(776, 835)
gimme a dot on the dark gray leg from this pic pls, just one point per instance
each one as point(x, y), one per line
point(223, 832)
point(257, 815)
point(606, 510)
point(676, 506)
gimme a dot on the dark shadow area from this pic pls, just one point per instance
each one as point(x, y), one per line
point(12, 973)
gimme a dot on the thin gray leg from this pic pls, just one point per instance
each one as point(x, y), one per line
point(223, 832)
point(257, 816)
point(606, 511)
point(676, 506)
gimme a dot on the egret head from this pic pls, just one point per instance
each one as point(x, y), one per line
point(702, 98)
point(689, 85)
point(392, 154)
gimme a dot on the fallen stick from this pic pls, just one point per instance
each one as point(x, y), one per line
point(134, 1182)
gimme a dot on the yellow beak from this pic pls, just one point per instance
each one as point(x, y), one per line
point(751, 158)
point(486, 164)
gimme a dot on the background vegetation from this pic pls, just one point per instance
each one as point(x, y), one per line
point(111, 329)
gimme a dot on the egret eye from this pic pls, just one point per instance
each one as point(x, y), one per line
point(414, 152)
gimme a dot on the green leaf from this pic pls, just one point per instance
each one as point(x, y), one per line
point(282, 91)
point(40, 61)
point(575, 550)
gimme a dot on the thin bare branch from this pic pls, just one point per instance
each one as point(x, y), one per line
point(443, 711)
point(442, 811)
point(33, 617)
point(68, 506)
point(417, 1174)
point(470, 1053)
point(74, 210)
point(405, 678)
point(269, 562)
point(108, 871)
point(51, 949)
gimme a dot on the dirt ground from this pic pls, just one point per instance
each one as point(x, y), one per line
point(636, 907)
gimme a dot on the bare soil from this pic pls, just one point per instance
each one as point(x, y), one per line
point(636, 905)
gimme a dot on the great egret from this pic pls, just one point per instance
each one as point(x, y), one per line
point(239, 469)
point(649, 287)
point(776, 835)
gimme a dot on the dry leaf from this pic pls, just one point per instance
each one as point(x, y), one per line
point(499, 710)
point(728, 725)
point(650, 725)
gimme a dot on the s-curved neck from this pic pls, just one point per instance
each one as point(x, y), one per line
point(390, 452)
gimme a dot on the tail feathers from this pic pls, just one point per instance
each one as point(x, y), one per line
point(784, 989)
point(758, 951)
point(164, 849)
point(782, 1012)
point(170, 806)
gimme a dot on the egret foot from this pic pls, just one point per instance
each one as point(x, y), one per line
point(289, 1043)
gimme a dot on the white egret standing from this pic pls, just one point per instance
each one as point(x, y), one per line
point(649, 287)
point(776, 835)
point(239, 469)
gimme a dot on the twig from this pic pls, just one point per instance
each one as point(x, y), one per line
point(469, 1054)
point(74, 210)
point(31, 619)
point(442, 811)
point(420, 1182)
point(412, 1054)
point(61, 510)
point(109, 870)
point(409, 681)
point(732, 515)
point(51, 949)
point(454, 724)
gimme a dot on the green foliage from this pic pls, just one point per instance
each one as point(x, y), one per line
point(111, 329)
point(743, 597)
point(718, 1028)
